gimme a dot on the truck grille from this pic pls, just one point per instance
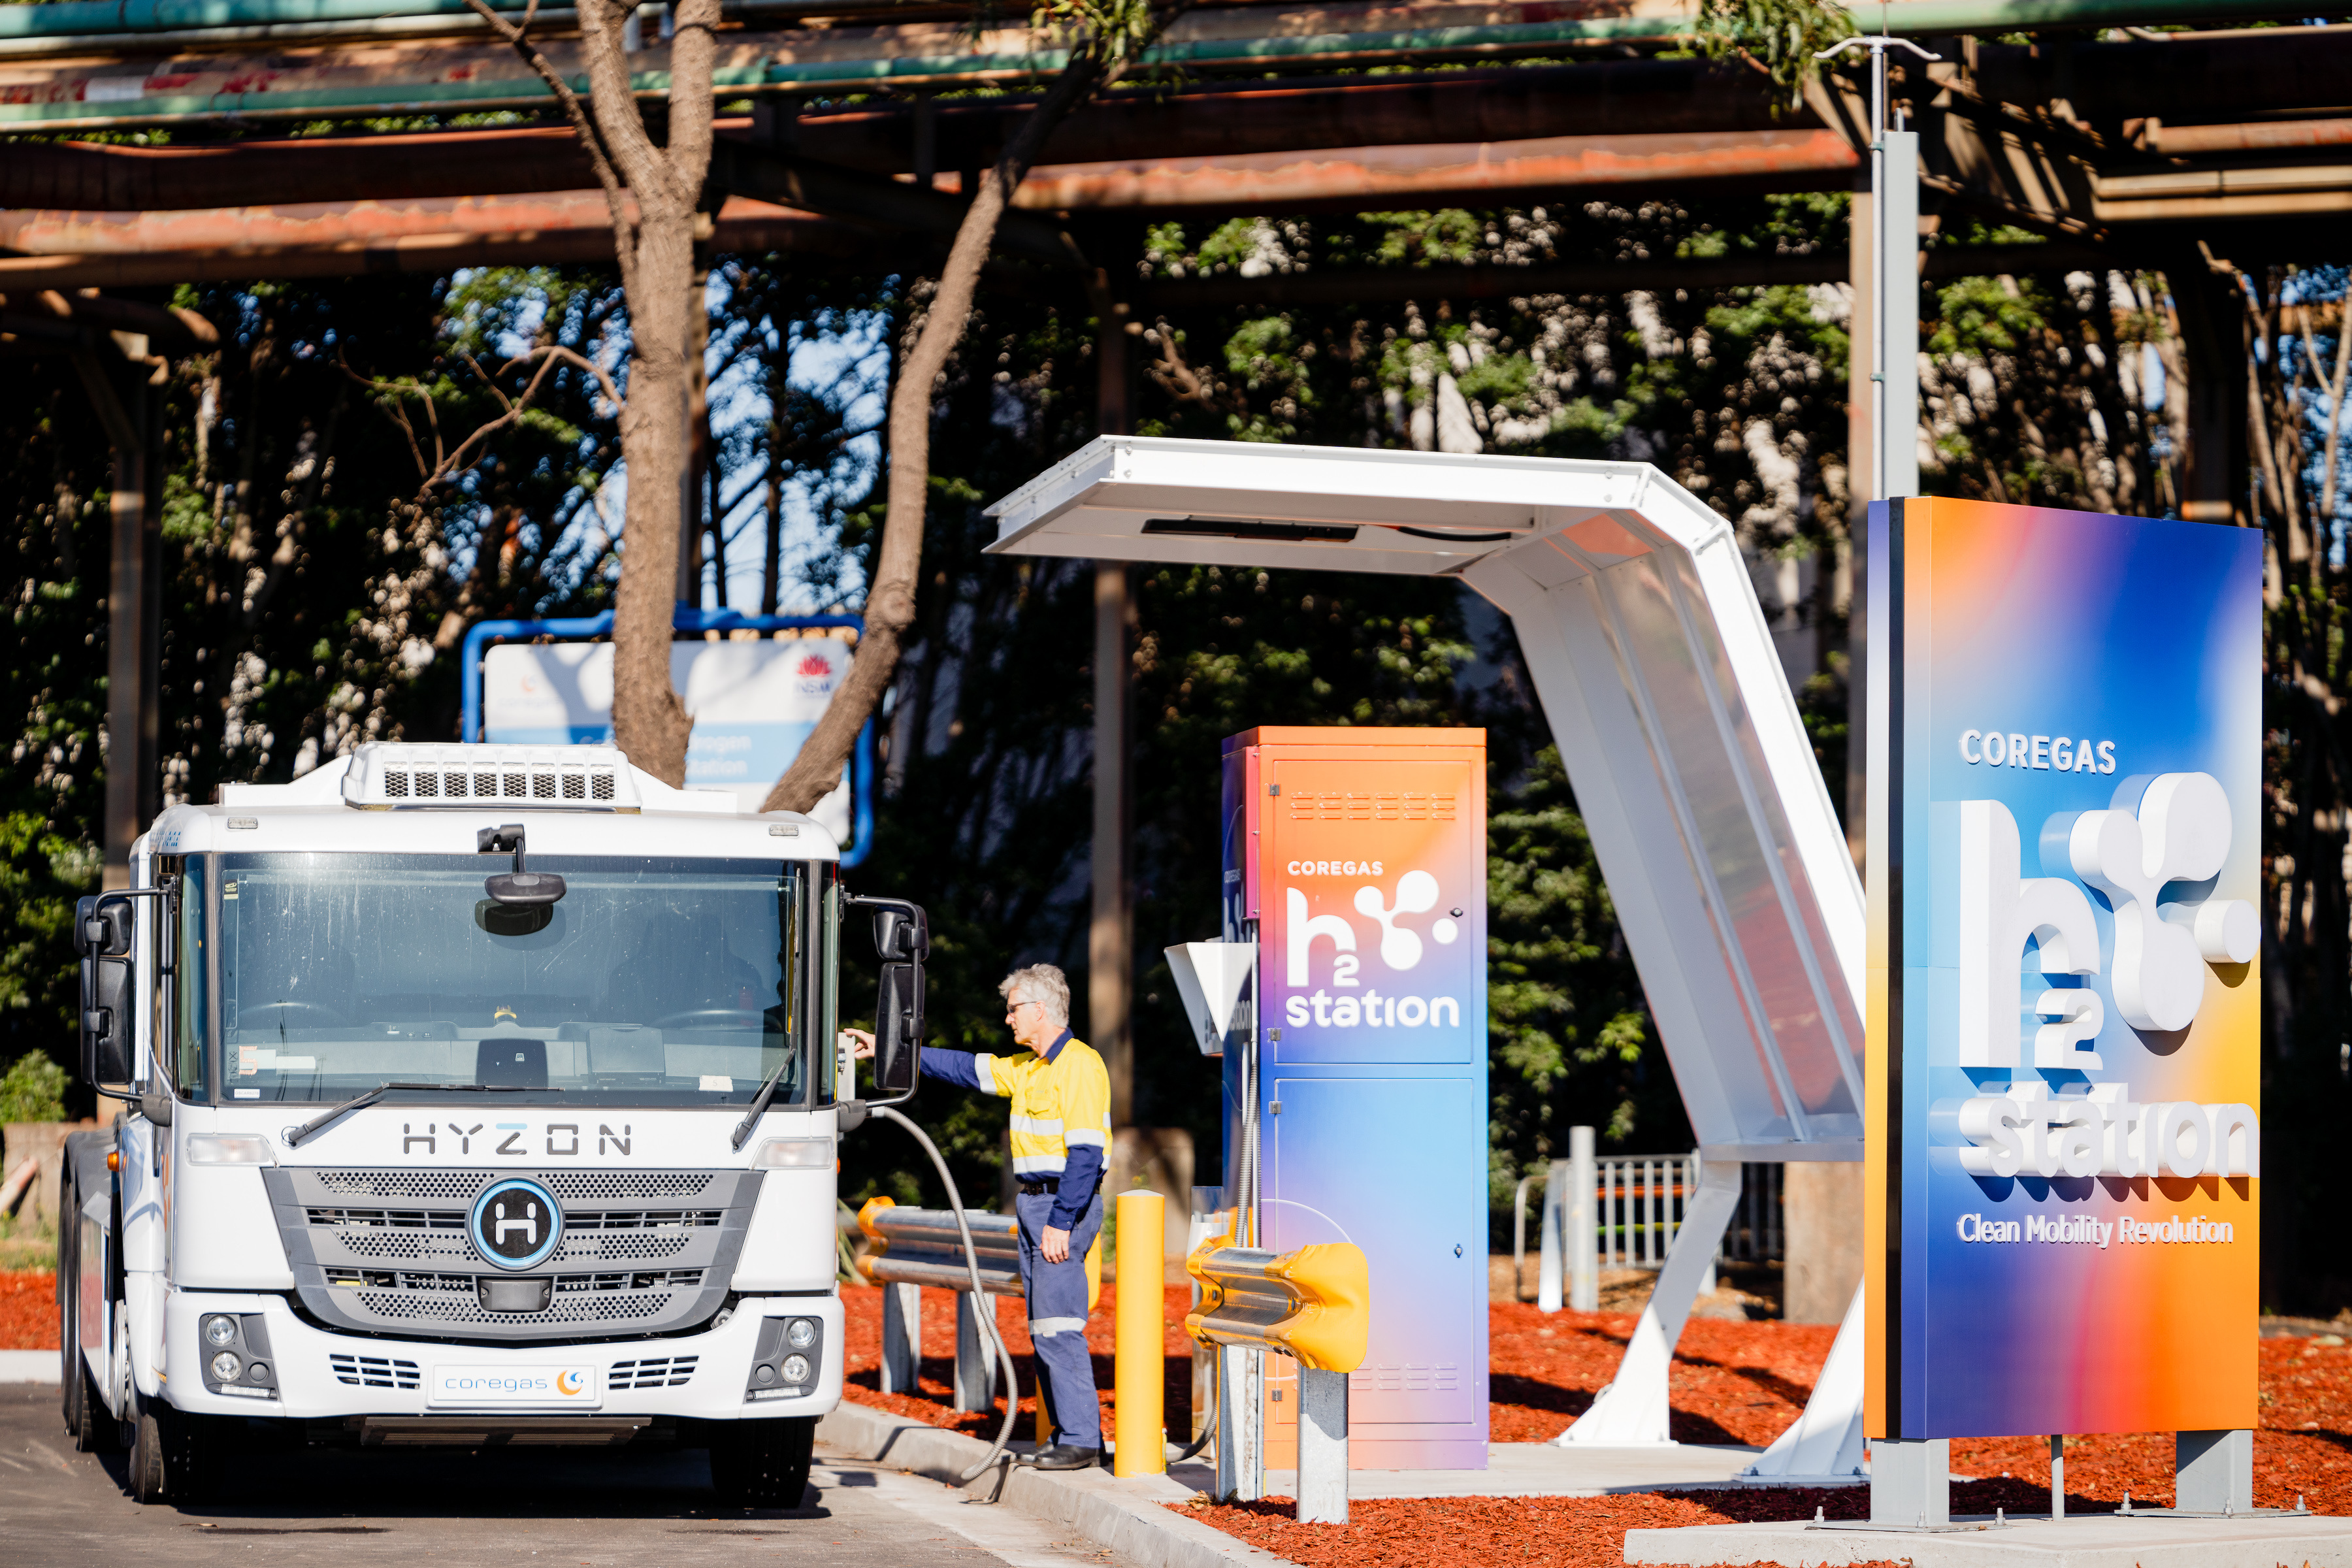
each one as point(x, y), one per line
point(374, 1371)
point(656, 1371)
point(643, 1251)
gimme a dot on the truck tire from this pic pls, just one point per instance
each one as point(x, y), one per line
point(91, 1424)
point(167, 1455)
point(73, 1380)
point(762, 1464)
point(69, 1372)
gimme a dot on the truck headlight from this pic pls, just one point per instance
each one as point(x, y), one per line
point(230, 1149)
point(794, 1155)
point(800, 1334)
point(225, 1366)
point(220, 1332)
point(796, 1369)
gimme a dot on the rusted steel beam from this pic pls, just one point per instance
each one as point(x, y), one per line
point(329, 225)
point(2261, 136)
point(809, 187)
point(1349, 178)
point(1610, 96)
point(744, 228)
point(1483, 172)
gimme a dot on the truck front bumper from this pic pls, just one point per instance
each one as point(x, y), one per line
point(315, 1373)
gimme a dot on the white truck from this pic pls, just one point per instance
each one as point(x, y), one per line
point(469, 1095)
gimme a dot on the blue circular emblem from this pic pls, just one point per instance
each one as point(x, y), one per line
point(515, 1224)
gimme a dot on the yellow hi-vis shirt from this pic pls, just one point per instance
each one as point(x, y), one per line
point(1060, 1102)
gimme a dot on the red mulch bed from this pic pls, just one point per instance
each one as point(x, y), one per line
point(1732, 1382)
point(936, 1375)
point(29, 1311)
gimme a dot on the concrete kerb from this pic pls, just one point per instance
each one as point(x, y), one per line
point(1127, 1518)
point(2090, 1540)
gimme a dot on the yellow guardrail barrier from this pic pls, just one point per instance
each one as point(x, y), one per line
point(1313, 1305)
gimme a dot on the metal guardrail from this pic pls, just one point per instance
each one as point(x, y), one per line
point(1313, 1305)
point(921, 1247)
point(911, 1249)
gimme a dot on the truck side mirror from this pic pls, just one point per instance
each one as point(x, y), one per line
point(102, 935)
point(902, 933)
point(899, 1029)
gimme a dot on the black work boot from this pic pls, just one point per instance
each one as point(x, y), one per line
point(1064, 1457)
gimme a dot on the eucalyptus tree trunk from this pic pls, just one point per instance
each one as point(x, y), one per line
point(890, 593)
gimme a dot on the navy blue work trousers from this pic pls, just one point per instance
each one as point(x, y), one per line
point(1056, 1295)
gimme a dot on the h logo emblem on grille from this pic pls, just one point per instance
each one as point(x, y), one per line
point(515, 1224)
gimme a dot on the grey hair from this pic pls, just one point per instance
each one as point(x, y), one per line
point(1043, 983)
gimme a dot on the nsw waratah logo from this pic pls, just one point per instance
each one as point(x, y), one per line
point(814, 673)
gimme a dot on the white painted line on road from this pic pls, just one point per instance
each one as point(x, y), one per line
point(59, 1460)
point(28, 1366)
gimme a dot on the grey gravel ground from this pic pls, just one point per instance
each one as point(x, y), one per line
point(516, 1508)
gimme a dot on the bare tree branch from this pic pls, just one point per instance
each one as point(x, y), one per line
point(1099, 56)
point(615, 203)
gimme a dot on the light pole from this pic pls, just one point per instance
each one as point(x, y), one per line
point(1894, 292)
point(1910, 1482)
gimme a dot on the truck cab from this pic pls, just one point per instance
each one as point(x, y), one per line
point(468, 1094)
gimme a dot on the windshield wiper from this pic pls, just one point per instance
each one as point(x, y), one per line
point(294, 1135)
point(759, 1102)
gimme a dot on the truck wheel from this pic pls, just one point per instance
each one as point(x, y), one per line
point(763, 1464)
point(73, 1382)
point(167, 1455)
point(92, 1426)
point(69, 1373)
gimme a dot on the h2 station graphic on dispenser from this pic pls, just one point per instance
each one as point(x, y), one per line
point(1355, 860)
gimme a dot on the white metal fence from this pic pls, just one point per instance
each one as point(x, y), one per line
point(1625, 1213)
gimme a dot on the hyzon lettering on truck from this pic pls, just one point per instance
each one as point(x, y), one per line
point(469, 1094)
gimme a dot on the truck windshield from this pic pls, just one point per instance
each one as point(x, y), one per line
point(654, 982)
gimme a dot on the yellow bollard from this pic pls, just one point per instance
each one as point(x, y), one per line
point(1139, 1424)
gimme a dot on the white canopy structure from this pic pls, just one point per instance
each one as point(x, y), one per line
point(1640, 625)
point(1651, 655)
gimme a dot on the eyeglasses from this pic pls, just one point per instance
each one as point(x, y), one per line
point(1012, 1007)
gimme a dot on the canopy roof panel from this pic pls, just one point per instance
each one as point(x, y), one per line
point(1651, 655)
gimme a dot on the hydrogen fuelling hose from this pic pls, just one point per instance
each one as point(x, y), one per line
point(985, 1310)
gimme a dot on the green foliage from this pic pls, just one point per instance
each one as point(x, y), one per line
point(1782, 35)
point(34, 1090)
point(1984, 316)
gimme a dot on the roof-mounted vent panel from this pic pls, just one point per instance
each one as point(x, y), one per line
point(385, 776)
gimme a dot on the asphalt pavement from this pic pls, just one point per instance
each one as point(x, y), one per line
point(516, 1508)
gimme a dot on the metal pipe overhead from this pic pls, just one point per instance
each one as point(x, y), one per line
point(335, 225)
point(753, 229)
point(1761, 160)
point(1603, 97)
point(1347, 178)
point(1594, 19)
point(378, 76)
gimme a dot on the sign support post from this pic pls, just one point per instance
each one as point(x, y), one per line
point(1908, 1481)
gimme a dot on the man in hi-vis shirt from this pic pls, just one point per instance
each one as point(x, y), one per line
point(1060, 1131)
